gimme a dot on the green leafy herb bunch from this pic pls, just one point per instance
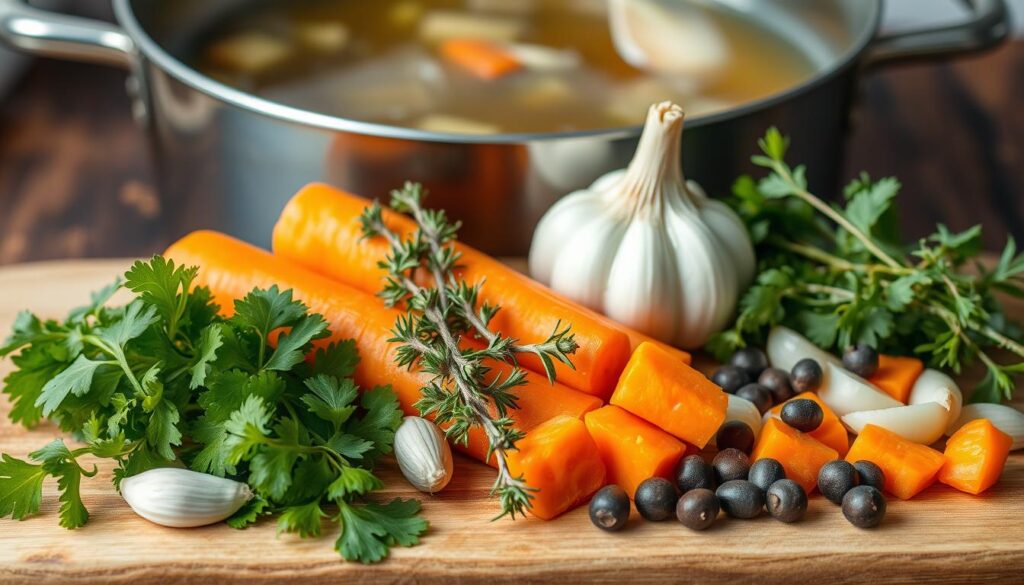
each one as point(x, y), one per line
point(165, 380)
point(842, 275)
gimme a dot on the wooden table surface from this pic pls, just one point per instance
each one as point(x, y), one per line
point(941, 536)
point(75, 179)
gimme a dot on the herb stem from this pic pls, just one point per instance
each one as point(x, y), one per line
point(431, 331)
point(833, 261)
point(783, 171)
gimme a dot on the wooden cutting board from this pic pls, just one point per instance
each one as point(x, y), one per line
point(942, 536)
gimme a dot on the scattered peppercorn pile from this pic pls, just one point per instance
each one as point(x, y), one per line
point(742, 489)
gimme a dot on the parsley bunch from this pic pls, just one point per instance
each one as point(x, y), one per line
point(462, 391)
point(843, 276)
point(165, 380)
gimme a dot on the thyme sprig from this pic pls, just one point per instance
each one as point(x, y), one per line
point(842, 275)
point(462, 391)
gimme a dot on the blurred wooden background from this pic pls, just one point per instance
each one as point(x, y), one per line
point(75, 179)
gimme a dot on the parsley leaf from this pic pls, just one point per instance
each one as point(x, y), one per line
point(337, 359)
point(382, 418)
point(213, 457)
point(292, 346)
point(270, 469)
point(353, 481)
point(75, 379)
point(34, 368)
point(249, 513)
point(21, 487)
point(162, 433)
point(206, 353)
point(330, 399)
point(304, 520)
point(246, 429)
point(161, 285)
point(266, 310)
point(369, 530)
point(136, 318)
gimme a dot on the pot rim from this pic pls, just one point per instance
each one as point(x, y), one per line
point(156, 54)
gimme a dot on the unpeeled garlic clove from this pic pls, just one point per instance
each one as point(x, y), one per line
point(934, 386)
point(920, 423)
point(1005, 418)
point(423, 454)
point(845, 392)
point(180, 498)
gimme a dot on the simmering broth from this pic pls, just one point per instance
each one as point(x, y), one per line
point(490, 66)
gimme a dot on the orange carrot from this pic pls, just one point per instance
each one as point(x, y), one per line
point(975, 457)
point(663, 390)
point(909, 467)
point(561, 460)
point(484, 59)
point(801, 455)
point(632, 449)
point(231, 269)
point(831, 432)
point(319, 229)
point(896, 375)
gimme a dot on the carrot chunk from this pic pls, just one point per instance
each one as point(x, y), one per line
point(561, 460)
point(831, 432)
point(632, 449)
point(800, 454)
point(319, 229)
point(909, 467)
point(484, 59)
point(896, 375)
point(659, 388)
point(975, 457)
point(231, 269)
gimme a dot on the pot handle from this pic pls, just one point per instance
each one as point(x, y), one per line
point(40, 32)
point(989, 26)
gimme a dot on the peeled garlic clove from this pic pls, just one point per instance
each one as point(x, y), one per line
point(180, 498)
point(1005, 418)
point(920, 423)
point(845, 392)
point(786, 347)
point(423, 454)
point(934, 386)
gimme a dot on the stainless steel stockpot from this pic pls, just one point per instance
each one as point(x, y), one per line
point(244, 155)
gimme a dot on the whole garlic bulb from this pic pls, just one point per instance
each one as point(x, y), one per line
point(646, 247)
point(181, 498)
point(423, 454)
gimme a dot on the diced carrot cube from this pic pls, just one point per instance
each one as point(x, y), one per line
point(659, 388)
point(975, 457)
point(909, 467)
point(801, 455)
point(561, 461)
point(896, 375)
point(831, 432)
point(632, 449)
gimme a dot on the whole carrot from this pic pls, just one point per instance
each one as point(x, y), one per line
point(319, 229)
point(231, 269)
